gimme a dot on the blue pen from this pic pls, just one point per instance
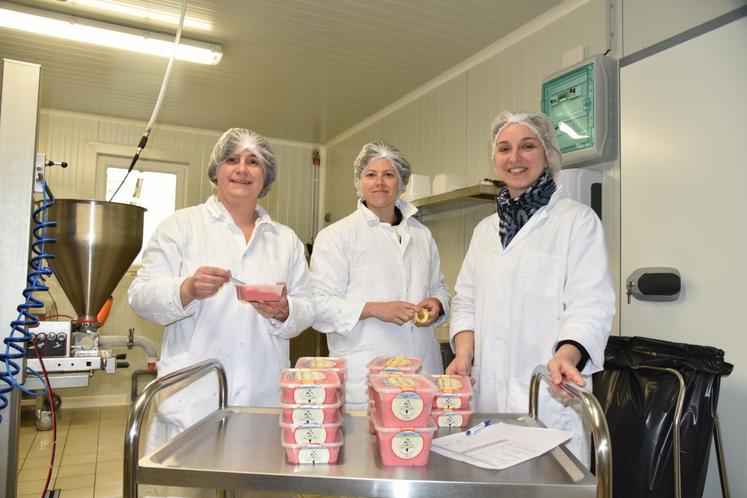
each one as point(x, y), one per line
point(474, 430)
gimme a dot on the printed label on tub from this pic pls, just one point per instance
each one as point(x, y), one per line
point(310, 435)
point(309, 395)
point(450, 420)
point(407, 406)
point(448, 384)
point(313, 455)
point(407, 444)
point(307, 416)
point(449, 402)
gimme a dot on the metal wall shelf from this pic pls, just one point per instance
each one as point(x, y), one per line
point(448, 200)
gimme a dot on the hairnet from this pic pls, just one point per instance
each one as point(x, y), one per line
point(380, 150)
point(540, 126)
point(237, 140)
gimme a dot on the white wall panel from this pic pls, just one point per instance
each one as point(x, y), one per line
point(430, 130)
point(646, 23)
point(291, 194)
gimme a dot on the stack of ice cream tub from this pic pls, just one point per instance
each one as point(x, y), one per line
point(311, 399)
point(400, 402)
point(451, 404)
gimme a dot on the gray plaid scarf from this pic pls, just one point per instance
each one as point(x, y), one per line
point(514, 214)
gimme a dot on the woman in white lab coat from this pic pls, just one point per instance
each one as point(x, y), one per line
point(184, 284)
point(374, 270)
point(534, 287)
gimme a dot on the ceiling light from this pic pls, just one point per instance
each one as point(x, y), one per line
point(143, 13)
point(105, 34)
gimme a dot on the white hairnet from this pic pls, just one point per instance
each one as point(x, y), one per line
point(237, 140)
point(540, 126)
point(380, 150)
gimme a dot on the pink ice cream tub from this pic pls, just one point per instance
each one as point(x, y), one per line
point(312, 433)
point(406, 364)
point(402, 399)
point(450, 418)
point(338, 365)
point(303, 453)
point(404, 446)
point(295, 413)
point(452, 391)
point(252, 292)
point(309, 386)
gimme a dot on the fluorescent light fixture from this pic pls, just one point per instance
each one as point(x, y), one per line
point(142, 13)
point(105, 34)
point(565, 128)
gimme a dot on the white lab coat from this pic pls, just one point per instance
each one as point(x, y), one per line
point(360, 259)
point(251, 348)
point(551, 283)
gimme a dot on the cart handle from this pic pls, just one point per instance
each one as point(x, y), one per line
point(135, 424)
point(595, 416)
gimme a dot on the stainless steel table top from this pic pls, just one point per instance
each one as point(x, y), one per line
point(239, 448)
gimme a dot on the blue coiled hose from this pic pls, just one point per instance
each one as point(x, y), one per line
point(15, 343)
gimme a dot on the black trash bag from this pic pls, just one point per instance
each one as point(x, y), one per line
point(639, 405)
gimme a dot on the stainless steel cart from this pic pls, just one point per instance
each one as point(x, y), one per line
point(239, 448)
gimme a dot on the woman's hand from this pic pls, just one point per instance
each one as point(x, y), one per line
point(279, 310)
point(399, 312)
point(461, 365)
point(429, 309)
point(205, 282)
point(562, 368)
point(464, 345)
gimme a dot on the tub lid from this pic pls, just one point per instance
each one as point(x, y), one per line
point(327, 362)
point(295, 377)
point(452, 385)
point(396, 382)
point(401, 363)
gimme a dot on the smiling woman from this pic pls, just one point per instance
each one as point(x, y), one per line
point(519, 158)
point(535, 278)
point(240, 179)
point(380, 184)
point(375, 271)
point(184, 284)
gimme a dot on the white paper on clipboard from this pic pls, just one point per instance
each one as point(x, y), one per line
point(500, 445)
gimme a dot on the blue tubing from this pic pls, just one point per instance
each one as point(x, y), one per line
point(15, 343)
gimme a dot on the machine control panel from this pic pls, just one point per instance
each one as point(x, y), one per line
point(52, 339)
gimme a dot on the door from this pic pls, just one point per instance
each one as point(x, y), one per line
point(684, 205)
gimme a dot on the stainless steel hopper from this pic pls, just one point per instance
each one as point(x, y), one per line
point(96, 243)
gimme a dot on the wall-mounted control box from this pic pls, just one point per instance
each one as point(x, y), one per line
point(582, 101)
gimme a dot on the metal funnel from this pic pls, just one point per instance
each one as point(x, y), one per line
point(96, 242)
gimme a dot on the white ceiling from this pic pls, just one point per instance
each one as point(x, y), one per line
point(302, 70)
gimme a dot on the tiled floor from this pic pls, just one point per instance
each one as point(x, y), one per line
point(88, 461)
point(89, 456)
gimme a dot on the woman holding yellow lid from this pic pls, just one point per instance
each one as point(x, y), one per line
point(376, 275)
